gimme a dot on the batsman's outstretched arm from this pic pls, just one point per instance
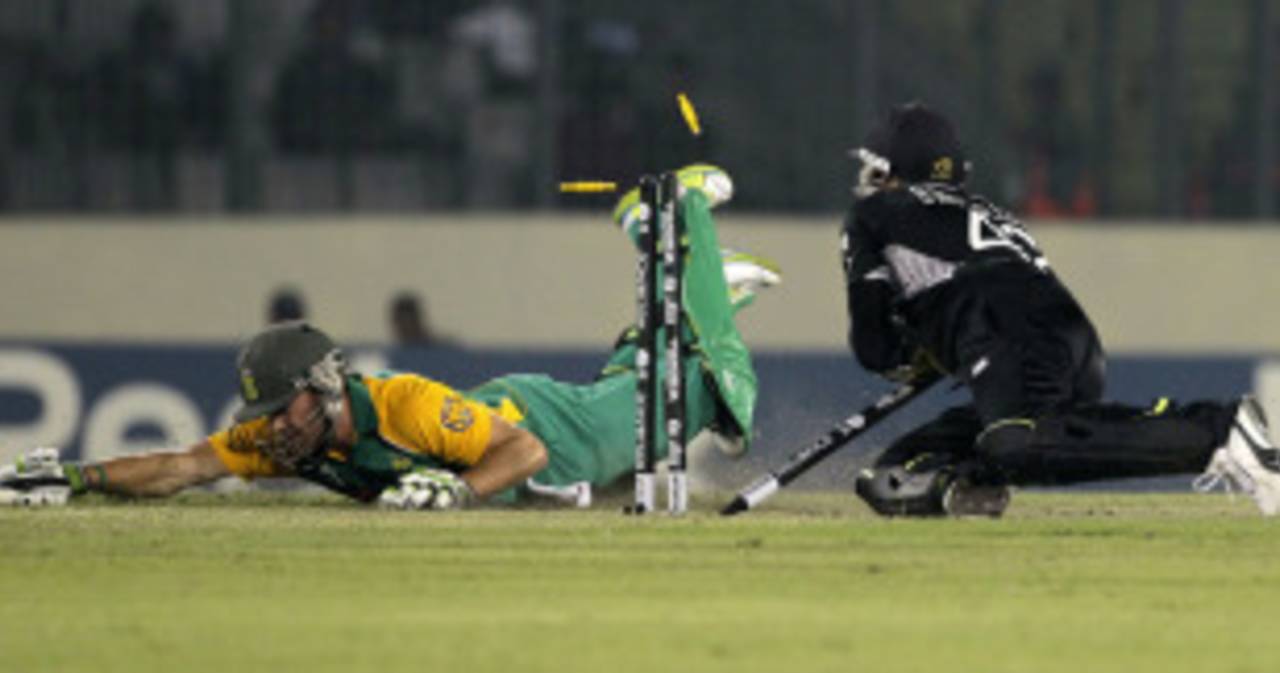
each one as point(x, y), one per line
point(512, 456)
point(157, 474)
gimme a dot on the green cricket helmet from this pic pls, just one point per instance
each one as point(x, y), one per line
point(282, 361)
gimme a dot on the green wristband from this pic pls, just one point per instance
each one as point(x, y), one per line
point(100, 471)
point(75, 478)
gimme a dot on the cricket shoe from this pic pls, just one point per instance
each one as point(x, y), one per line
point(965, 497)
point(713, 182)
point(929, 485)
point(747, 274)
point(1248, 461)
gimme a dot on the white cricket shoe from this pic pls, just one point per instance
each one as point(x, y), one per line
point(712, 181)
point(747, 274)
point(1248, 461)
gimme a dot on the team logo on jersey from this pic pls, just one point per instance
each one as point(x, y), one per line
point(942, 170)
point(250, 436)
point(248, 386)
point(455, 415)
point(337, 456)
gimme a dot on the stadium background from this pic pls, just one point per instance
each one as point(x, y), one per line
point(166, 167)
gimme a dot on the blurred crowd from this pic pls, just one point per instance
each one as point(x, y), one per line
point(360, 78)
point(444, 104)
point(409, 323)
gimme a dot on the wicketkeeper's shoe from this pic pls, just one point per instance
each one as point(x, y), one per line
point(966, 497)
point(1248, 461)
point(747, 274)
point(931, 485)
point(712, 181)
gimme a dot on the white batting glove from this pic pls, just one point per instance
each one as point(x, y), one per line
point(426, 488)
point(34, 479)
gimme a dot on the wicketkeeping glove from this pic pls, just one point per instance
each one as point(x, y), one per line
point(427, 489)
point(920, 365)
point(35, 479)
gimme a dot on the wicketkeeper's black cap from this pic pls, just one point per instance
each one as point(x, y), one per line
point(920, 146)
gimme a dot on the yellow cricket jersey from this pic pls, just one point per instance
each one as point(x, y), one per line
point(404, 412)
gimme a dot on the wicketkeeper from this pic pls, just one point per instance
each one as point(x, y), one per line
point(407, 441)
point(940, 278)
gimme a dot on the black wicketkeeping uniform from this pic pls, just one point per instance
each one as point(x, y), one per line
point(930, 267)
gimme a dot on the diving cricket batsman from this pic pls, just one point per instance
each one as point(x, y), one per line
point(411, 442)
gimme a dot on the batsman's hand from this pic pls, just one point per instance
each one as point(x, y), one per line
point(35, 479)
point(426, 488)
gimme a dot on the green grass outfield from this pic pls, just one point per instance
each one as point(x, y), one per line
point(228, 584)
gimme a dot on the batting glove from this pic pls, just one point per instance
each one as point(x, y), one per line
point(427, 489)
point(35, 479)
